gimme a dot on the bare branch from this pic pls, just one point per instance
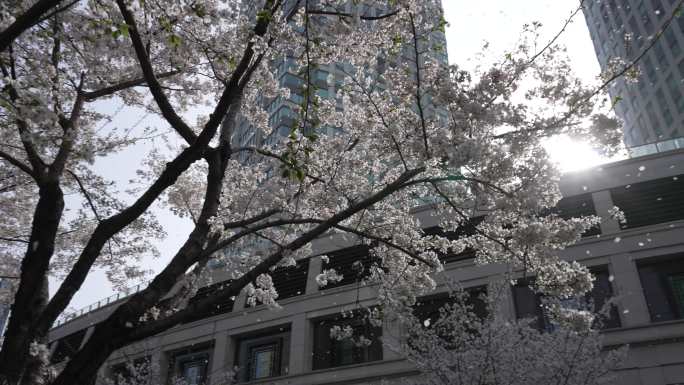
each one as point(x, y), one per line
point(16, 162)
point(148, 72)
point(106, 91)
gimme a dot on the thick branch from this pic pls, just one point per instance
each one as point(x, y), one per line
point(16, 162)
point(235, 286)
point(348, 15)
point(249, 221)
point(106, 91)
point(148, 72)
point(25, 21)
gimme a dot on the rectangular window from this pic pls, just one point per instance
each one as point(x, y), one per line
point(605, 17)
point(139, 372)
point(353, 263)
point(645, 19)
point(577, 206)
point(599, 295)
point(191, 365)
point(663, 287)
point(466, 229)
point(651, 202)
point(427, 308)
point(650, 69)
point(67, 346)
point(264, 354)
point(657, 9)
point(290, 281)
point(672, 42)
point(330, 352)
point(528, 304)
point(674, 85)
point(222, 306)
point(634, 26)
point(655, 121)
point(661, 57)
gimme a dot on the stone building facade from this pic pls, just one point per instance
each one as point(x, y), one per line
point(640, 262)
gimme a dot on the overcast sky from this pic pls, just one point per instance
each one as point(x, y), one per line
point(471, 23)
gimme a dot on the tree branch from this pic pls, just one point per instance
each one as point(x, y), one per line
point(16, 162)
point(106, 91)
point(146, 330)
point(148, 72)
point(254, 219)
point(25, 21)
point(347, 15)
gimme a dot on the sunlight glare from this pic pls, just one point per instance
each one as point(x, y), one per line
point(572, 155)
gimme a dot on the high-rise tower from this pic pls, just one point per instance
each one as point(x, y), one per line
point(653, 108)
point(326, 80)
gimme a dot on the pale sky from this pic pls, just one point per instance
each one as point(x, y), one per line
point(498, 22)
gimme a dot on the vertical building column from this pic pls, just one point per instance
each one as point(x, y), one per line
point(220, 361)
point(240, 301)
point(160, 364)
point(315, 265)
point(602, 203)
point(392, 334)
point(86, 337)
point(505, 306)
point(631, 302)
point(301, 345)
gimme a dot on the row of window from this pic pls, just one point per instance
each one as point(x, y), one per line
point(265, 353)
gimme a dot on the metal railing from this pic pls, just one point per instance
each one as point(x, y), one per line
point(67, 317)
point(656, 147)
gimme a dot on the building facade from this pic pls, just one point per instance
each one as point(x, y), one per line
point(640, 262)
point(325, 82)
point(652, 109)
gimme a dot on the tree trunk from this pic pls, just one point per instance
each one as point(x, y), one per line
point(32, 294)
point(113, 333)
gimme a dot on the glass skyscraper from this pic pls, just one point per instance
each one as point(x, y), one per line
point(652, 108)
point(326, 80)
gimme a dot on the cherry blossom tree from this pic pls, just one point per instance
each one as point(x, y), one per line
point(457, 346)
point(412, 131)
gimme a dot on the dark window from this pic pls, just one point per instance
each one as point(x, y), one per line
point(290, 281)
point(663, 286)
point(645, 19)
point(528, 304)
point(655, 122)
point(223, 305)
point(634, 26)
point(263, 355)
point(599, 295)
point(657, 7)
point(673, 85)
point(650, 69)
point(132, 372)
point(191, 365)
point(672, 42)
point(329, 352)
point(353, 263)
point(427, 308)
point(651, 202)
point(577, 206)
point(661, 57)
point(67, 346)
point(464, 230)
